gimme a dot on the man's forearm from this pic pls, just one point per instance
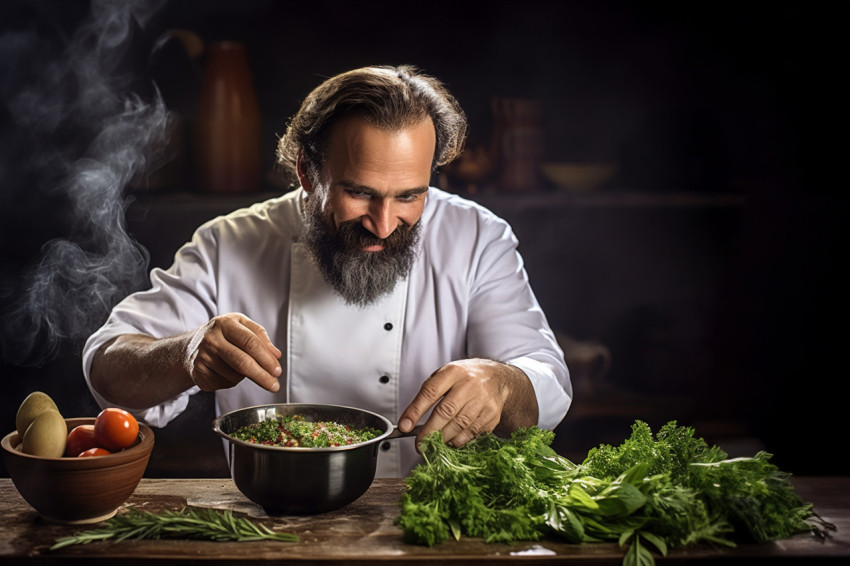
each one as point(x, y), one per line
point(520, 409)
point(138, 371)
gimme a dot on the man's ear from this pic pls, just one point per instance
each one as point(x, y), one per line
point(303, 177)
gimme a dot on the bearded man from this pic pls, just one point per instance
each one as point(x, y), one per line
point(365, 287)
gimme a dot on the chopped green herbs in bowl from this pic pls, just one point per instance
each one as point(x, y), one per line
point(295, 430)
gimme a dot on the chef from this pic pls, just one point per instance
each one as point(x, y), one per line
point(365, 287)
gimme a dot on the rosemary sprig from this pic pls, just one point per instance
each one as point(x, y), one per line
point(188, 523)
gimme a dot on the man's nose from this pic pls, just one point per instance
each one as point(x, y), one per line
point(380, 220)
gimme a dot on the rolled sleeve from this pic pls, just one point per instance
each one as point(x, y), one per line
point(552, 388)
point(157, 416)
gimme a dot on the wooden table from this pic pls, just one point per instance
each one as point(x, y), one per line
point(363, 533)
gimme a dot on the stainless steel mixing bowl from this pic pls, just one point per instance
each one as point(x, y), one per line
point(296, 480)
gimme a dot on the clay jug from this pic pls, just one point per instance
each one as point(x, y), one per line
point(518, 142)
point(228, 130)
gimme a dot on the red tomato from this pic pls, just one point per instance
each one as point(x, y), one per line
point(115, 429)
point(79, 439)
point(94, 452)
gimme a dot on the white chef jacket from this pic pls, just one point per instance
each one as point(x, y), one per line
point(467, 295)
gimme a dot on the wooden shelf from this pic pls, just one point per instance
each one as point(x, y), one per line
point(611, 199)
point(523, 200)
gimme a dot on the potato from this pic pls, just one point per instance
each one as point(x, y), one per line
point(35, 404)
point(46, 436)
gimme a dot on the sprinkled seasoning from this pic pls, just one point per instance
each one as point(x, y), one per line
point(293, 430)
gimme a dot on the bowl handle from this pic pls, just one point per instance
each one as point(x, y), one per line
point(396, 433)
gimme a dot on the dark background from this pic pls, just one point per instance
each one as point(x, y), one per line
point(708, 265)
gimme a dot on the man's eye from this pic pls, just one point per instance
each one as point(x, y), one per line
point(358, 194)
point(409, 198)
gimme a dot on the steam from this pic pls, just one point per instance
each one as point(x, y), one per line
point(91, 136)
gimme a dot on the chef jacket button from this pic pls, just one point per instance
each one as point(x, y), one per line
point(385, 446)
point(388, 326)
point(384, 379)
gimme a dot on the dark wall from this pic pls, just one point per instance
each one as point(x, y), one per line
point(722, 306)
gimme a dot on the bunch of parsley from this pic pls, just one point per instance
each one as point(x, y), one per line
point(663, 492)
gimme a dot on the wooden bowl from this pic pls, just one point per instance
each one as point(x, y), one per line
point(78, 490)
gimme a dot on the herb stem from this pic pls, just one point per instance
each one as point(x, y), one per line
point(188, 523)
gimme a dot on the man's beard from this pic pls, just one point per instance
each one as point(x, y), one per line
point(360, 277)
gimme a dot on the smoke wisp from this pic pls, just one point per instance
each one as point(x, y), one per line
point(82, 135)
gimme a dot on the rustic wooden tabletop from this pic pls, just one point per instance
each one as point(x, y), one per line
point(363, 532)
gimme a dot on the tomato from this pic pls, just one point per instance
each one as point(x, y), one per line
point(115, 429)
point(94, 452)
point(79, 439)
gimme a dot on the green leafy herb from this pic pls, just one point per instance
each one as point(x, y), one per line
point(648, 494)
point(295, 430)
point(188, 523)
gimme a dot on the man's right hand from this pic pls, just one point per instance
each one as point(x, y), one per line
point(230, 348)
point(138, 371)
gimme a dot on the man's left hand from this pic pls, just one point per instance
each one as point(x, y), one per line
point(472, 397)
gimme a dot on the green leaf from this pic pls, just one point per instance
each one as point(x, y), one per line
point(455, 528)
point(625, 536)
point(620, 499)
point(580, 498)
point(565, 522)
point(657, 541)
point(638, 555)
point(635, 474)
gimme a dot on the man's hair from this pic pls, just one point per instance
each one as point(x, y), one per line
point(387, 97)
